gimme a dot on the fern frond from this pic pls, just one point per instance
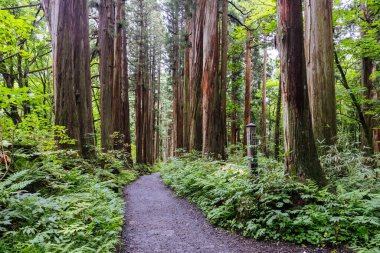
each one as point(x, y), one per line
point(11, 179)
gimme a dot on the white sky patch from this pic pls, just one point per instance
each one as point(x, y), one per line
point(273, 53)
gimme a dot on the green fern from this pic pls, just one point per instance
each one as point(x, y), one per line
point(272, 207)
point(13, 178)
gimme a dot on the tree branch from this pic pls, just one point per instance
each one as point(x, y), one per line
point(239, 22)
point(238, 9)
point(355, 102)
point(40, 70)
point(9, 57)
point(20, 7)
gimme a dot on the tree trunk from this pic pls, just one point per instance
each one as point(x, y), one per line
point(248, 78)
point(186, 88)
point(23, 79)
point(117, 104)
point(68, 24)
point(151, 111)
point(264, 106)
point(212, 116)
point(158, 116)
point(376, 120)
point(367, 68)
point(370, 138)
point(106, 58)
point(125, 115)
point(301, 157)
point(196, 77)
point(224, 68)
point(277, 124)
point(234, 126)
point(9, 81)
point(320, 69)
point(365, 128)
point(139, 87)
point(177, 87)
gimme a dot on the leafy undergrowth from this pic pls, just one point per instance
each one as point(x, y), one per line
point(270, 207)
point(57, 202)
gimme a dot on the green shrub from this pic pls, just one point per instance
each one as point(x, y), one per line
point(61, 203)
point(270, 206)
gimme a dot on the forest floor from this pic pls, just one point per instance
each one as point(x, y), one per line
point(158, 221)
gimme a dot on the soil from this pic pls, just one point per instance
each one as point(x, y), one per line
point(158, 221)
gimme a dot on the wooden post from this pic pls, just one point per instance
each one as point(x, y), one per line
point(252, 147)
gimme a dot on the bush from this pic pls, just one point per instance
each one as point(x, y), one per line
point(61, 203)
point(270, 206)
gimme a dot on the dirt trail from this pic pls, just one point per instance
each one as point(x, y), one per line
point(158, 221)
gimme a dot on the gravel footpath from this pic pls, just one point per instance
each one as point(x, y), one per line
point(158, 221)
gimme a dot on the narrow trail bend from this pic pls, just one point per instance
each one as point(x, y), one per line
point(158, 221)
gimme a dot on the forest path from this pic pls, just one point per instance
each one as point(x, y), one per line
point(158, 221)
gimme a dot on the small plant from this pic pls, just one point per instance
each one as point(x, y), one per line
point(59, 202)
point(270, 206)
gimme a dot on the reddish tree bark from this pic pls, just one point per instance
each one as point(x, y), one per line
point(158, 115)
point(235, 75)
point(151, 112)
point(106, 46)
point(139, 88)
point(186, 88)
point(145, 76)
point(117, 104)
point(177, 132)
point(248, 79)
point(196, 77)
point(301, 155)
point(69, 28)
point(233, 126)
point(320, 68)
point(212, 116)
point(224, 68)
point(264, 106)
point(125, 115)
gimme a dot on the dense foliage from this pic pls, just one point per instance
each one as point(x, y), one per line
point(55, 201)
point(270, 206)
point(58, 202)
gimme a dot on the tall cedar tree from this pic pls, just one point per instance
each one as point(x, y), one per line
point(106, 62)
point(177, 133)
point(186, 78)
point(371, 134)
point(320, 68)
point(140, 85)
point(248, 80)
point(69, 28)
point(264, 105)
point(224, 69)
point(212, 115)
point(157, 139)
point(301, 157)
point(145, 78)
point(117, 104)
point(196, 95)
point(125, 113)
